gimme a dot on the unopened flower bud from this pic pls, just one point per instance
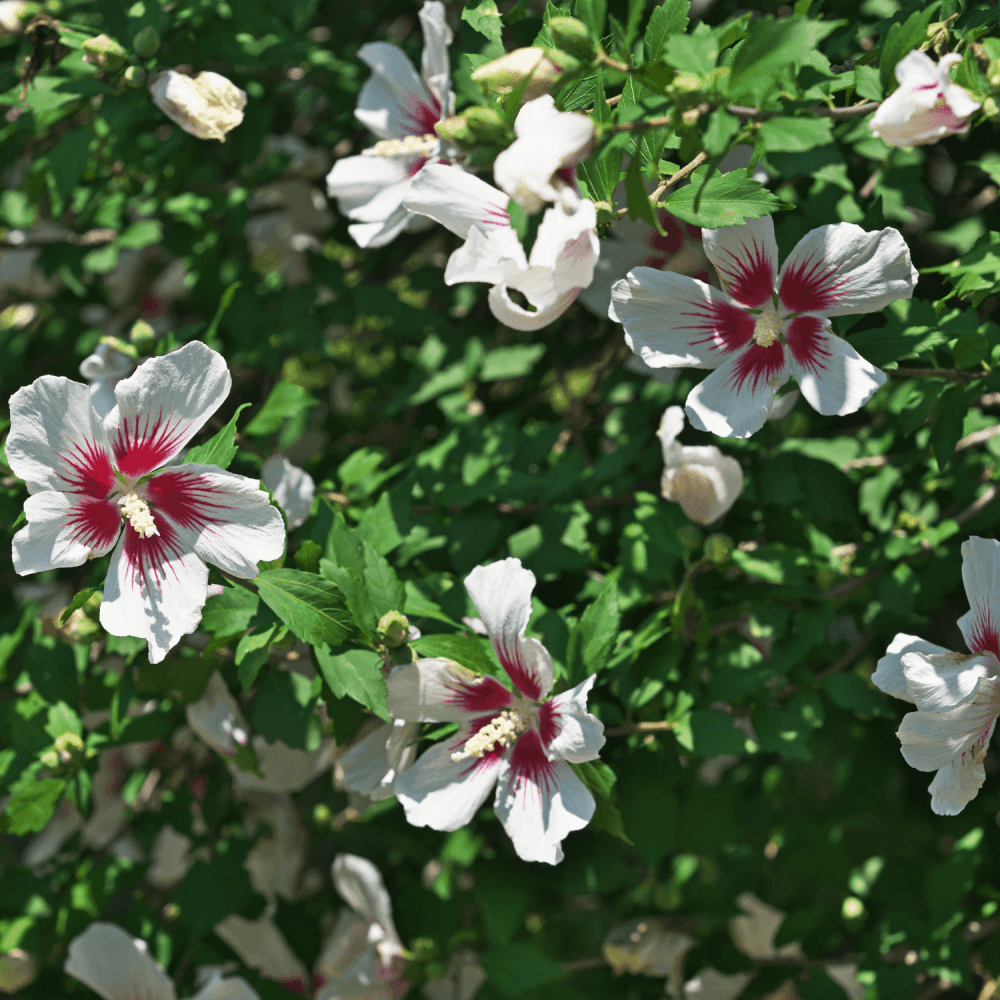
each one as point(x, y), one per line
point(533, 64)
point(393, 629)
point(718, 548)
point(487, 125)
point(104, 52)
point(571, 35)
point(67, 754)
point(146, 42)
point(141, 334)
point(454, 129)
point(135, 76)
point(208, 105)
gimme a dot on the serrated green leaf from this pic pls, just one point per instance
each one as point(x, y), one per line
point(32, 805)
point(726, 200)
point(670, 18)
point(284, 401)
point(946, 423)
point(593, 637)
point(384, 589)
point(510, 362)
point(79, 600)
point(220, 449)
point(252, 652)
point(468, 651)
point(311, 607)
point(355, 674)
point(485, 18)
point(794, 135)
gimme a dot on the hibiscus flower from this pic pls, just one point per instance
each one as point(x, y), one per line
point(520, 741)
point(401, 108)
point(562, 258)
point(957, 694)
point(764, 325)
point(100, 487)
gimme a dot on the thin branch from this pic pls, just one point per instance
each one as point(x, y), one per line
point(977, 505)
point(670, 181)
point(603, 59)
point(582, 964)
point(978, 437)
point(821, 111)
point(952, 374)
point(640, 727)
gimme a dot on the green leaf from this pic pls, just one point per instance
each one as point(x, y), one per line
point(345, 546)
point(62, 719)
point(485, 18)
point(467, 651)
point(351, 584)
point(224, 303)
point(795, 135)
point(868, 83)
point(284, 709)
point(899, 40)
point(355, 674)
point(252, 653)
point(32, 805)
point(726, 200)
point(600, 779)
point(229, 612)
point(67, 163)
point(79, 600)
point(510, 362)
point(311, 607)
point(722, 129)
point(378, 526)
point(637, 198)
point(141, 234)
point(418, 605)
point(695, 53)
point(593, 13)
point(285, 400)
point(220, 449)
point(10, 641)
point(850, 692)
point(213, 890)
point(182, 679)
point(946, 423)
point(593, 637)
point(712, 733)
point(384, 589)
point(670, 18)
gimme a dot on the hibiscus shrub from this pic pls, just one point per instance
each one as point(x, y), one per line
point(361, 637)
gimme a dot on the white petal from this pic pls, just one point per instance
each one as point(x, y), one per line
point(220, 516)
point(394, 103)
point(981, 576)
point(579, 735)
point(155, 590)
point(114, 964)
point(956, 784)
point(276, 860)
point(840, 269)
point(56, 439)
point(104, 369)
point(293, 488)
point(439, 690)
point(746, 259)
point(230, 988)
point(710, 984)
point(457, 199)
point(435, 65)
point(384, 231)
point(783, 405)
point(671, 424)
point(888, 676)
point(284, 768)
point(916, 70)
point(940, 682)
point(461, 981)
point(501, 593)
point(672, 320)
point(495, 258)
point(515, 316)
point(540, 801)
point(64, 529)
point(372, 765)
point(444, 794)
point(346, 949)
point(163, 405)
point(44, 846)
point(567, 244)
point(360, 885)
point(355, 180)
point(735, 400)
point(216, 717)
point(261, 946)
point(704, 482)
point(832, 376)
point(170, 858)
point(931, 741)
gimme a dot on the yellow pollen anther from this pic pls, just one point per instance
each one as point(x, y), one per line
point(412, 145)
point(767, 328)
point(504, 729)
point(139, 515)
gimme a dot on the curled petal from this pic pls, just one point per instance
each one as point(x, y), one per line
point(64, 529)
point(671, 424)
point(260, 945)
point(438, 690)
point(940, 682)
point(704, 482)
point(516, 316)
point(114, 964)
point(889, 676)
point(956, 784)
point(567, 245)
point(293, 488)
point(457, 199)
point(746, 259)
point(356, 180)
point(372, 765)
point(435, 65)
point(395, 102)
point(566, 727)
point(981, 576)
point(832, 376)
point(840, 269)
point(360, 885)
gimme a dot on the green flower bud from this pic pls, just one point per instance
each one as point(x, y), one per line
point(454, 129)
point(146, 42)
point(104, 52)
point(718, 548)
point(142, 335)
point(66, 756)
point(393, 628)
point(571, 35)
point(135, 76)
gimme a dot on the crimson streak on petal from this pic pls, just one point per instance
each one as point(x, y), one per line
point(751, 279)
point(530, 767)
point(188, 500)
point(91, 470)
point(810, 285)
point(758, 365)
point(808, 348)
point(142, 447)
point(985, 635)
point(548, 722)
point(147, 558)
point(727, 328)
point(487, 695)
point(95, 523)
point(518, 671)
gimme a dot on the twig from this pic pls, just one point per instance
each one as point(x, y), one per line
point(952, 374)
point(869, 185)
point(582, 964)
point(603, 59)
point(821, 110)
point(977, 437)
point(670, 181)
point(977, 506)
point(868, 462)
point(640, 727)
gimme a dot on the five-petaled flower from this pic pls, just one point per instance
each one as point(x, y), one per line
point(957, 694)
point(765, 325)
point(562, 258)
point(401, 108)
point(927, 106)
point(84, 475)
point(522, 741)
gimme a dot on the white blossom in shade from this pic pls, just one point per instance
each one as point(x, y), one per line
point(754, 929)
point(461, 981)
point(13, 14)
point(45, 845)
point(710, 984)
point(207, 105)
point(363, 954)
point(17, 970)
point(401, 107)
point(538, 166)
point(701, 479)
point(170, 858)
point(562, 259)
point(521, 741)
point(926, 106)
point(783, 405)
point(765, 325)
point(373, 763)
point(261, 946)
point(293, 489)
point(104, 369)
point(116, 965)
point(81, 471)
point(19, 260)
point(276, 860)
point(957, 694)
point(648, 947)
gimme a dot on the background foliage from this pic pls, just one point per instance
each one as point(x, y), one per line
point(439, 440)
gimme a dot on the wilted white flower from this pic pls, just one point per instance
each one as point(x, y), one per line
point(293, 488)
point(17, 970)
point(701, 479)
point(461, 981)
point(373, 763)
point(260, 945)
point(648, 947)
point(207, 105)
point(170, 858)
point(276, 860)
point(927, 106)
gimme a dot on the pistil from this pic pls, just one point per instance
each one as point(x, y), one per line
point(504, 729)
point(139, 515)
point(767, 328)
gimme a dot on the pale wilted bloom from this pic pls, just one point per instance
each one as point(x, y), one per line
point(648, 947)
point(372, 765)
point(293, 488)
point(207, 105)
point(534, 64)
point(260, 945)
point(17, 970)
point(13, 14)
point(461, 981)
point(927, 106)
point(701, 479)
point(170, 858)
point(275, 861)
point(957, 694)
point(538, 166)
